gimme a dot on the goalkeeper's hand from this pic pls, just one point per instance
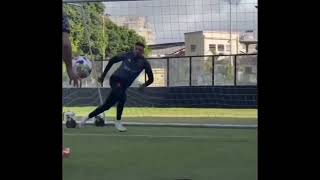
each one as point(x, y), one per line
point(74, 78)
point(141, 87)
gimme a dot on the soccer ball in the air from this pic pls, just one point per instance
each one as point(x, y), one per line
point(82, 66)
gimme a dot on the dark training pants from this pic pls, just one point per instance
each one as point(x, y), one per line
point(117, 95)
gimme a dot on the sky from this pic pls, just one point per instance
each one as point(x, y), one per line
point(170, 19)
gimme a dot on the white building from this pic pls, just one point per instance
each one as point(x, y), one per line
point(213, 42)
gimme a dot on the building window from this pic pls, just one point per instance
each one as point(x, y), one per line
point(228, 47)
point(220, 47)
point(193, 48)
point(212, 48)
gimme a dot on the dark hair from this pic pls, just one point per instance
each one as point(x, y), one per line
point(140, 44)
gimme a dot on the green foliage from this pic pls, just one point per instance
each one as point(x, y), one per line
point(107, 39)
point(229, 72)
point(122, 39)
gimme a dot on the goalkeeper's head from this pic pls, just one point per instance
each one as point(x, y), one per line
point(139, 49)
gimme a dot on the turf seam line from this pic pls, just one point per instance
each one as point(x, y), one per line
point(181, 124)
point(152, 136)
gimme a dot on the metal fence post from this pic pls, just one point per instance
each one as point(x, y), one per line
point(235, 70)
point(212, 71)
point(168, 77)
point(190, 71)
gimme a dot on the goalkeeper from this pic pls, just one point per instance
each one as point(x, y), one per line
point(133, 63)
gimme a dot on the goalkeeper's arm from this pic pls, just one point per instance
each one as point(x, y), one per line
point(149, 73)
point(112, 61)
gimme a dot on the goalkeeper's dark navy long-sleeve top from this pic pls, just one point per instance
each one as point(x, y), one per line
point(130, 68)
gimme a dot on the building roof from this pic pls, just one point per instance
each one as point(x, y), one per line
point(166, 45)
point(180, 52)
point(221, 32)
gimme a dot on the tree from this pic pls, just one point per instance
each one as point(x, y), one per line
point(107, 39)
point(229, 72)
point(122, 39)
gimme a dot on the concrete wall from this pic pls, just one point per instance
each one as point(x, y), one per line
point(194, 38)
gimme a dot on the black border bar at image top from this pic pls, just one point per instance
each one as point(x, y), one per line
point(86, 1)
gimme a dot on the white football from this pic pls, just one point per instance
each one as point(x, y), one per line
point(82, 66)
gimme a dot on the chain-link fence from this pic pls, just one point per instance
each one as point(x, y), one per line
point(226, 70)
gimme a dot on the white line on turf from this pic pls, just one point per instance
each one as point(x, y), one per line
point(183, 124)
point(152, 136)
